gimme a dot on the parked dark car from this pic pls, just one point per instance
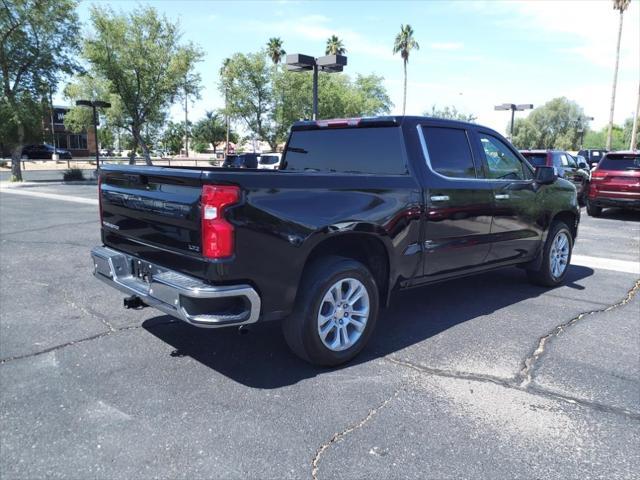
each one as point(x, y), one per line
point(359, 209)
point(566, 165)
point(243, 160)
point(43, 151)
point(615, 182)
point(593, 156)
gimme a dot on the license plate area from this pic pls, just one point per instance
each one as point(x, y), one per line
point(142, 271)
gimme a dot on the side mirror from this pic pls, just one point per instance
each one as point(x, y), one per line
point(583, 165)
point(545, 175)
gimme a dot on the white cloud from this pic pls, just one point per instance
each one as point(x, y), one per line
point(591, 26)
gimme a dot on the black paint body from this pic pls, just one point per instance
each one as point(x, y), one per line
point(284, 216)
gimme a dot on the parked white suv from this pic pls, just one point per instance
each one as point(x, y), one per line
point(269, 161)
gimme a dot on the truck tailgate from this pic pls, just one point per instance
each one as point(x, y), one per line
point(151, 208)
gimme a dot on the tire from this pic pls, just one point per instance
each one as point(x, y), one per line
point(346, 331)
point(593, 210)
point(552, 273)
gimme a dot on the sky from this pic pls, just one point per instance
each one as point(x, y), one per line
point(473, 54)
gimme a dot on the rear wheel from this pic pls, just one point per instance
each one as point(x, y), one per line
point(593, 210)
point(335, 313)
point(556, 257)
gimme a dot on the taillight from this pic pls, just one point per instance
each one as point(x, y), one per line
point(217, 232)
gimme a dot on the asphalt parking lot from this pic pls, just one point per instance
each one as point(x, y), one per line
point(486, 377)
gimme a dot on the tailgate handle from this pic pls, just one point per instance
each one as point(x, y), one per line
point(137, 179)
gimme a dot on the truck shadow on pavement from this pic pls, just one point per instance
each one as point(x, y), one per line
point(261, 358)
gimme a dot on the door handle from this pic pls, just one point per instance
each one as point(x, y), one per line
point(501, 196)
point(439, 198)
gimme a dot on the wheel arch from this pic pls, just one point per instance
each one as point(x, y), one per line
point(365, 248)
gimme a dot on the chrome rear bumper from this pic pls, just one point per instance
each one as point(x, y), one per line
point(181, 296)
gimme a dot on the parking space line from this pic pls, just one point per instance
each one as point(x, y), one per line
point(50, 196)
point(624, 266)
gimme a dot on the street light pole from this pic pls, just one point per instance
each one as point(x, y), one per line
point(329, 63)
point(582, 129)
point(513, 107)
point(95, 104)
point(315, 91)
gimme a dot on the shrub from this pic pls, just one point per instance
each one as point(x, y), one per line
point(72, 174)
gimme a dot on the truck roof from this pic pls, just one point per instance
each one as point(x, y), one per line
point(379, 121)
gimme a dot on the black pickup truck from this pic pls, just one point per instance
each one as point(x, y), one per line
point(358, 209)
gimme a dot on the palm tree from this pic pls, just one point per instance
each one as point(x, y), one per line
point(275, 50)
point(335, 46)
point(621, 6)
point(404, 43)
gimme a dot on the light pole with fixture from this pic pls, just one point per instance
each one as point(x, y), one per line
point(329, 63)
point(94, 104)
point(581, 128)
point(513, 107)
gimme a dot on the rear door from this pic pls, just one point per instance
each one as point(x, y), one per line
point(459, 203)
point(514, 230)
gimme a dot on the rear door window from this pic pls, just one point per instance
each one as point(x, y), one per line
point(449, 152)
point(347, 150)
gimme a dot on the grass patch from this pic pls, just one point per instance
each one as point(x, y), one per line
point(72, 174)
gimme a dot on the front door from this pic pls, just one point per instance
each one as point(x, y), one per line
point(514, 230)
point(459, 203)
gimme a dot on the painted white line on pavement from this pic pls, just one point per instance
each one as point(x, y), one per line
point(49, 196)
point(624, 266)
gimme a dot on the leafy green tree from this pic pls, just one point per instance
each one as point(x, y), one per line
point(141, 56)
point(246, 80)
point(450, 113)
point(403, 44)
point(251, 86)
point(620, 136)
point(621, 6)
point(211, 130)
point(38, 43)
point(335, 46)
point(79, 119)
point(173, 136)
point(556, 124)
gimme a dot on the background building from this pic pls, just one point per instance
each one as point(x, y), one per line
point(79, 144)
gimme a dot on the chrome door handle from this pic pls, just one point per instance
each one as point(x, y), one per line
point(501, 196)
point(439, 198)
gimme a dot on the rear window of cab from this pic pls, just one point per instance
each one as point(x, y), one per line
point(347, 150)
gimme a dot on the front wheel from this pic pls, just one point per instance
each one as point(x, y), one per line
point(556, 257)
point(335, 313)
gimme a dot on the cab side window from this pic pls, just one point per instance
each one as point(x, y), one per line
point(502, 163)
point(449, 152)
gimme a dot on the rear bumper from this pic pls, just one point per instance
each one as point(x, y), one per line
point(615, 202)
point(181, 296)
